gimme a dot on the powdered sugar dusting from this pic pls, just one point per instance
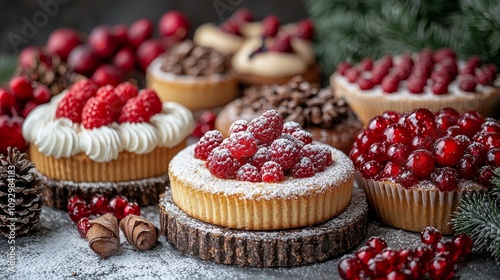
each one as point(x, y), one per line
point(189, 169)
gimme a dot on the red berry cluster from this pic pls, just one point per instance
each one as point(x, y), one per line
point(80, 210)
point(442, 148)
point(204, 123)
point(263, 150)
point(94, 107)
point(434, 259)
point(16, 102)
point(110, 52)
point(426, 68)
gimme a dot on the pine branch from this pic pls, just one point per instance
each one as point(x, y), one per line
point(479, 217)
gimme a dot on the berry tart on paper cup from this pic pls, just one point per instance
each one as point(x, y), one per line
point(107, 140)
point(432, 80)
point(262, 188)
point(194, 76)
point(319, 111)
point(416, 167)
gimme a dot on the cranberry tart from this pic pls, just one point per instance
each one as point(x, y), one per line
point(415, 167)
point(427, 79)
point(261, 178)
point(323, 114)
point(110, 140)
point(194, 76)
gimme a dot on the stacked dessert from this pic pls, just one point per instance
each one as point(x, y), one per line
point(415, 167)
point(432, 80)
point(319, 111)
point(268, 175)
point(108, 140)
point(194, 76)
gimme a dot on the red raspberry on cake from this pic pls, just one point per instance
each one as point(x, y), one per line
point(424, 158)
point(428, 79)
point(141, 108)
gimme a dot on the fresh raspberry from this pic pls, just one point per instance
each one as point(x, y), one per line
point(299, 144)
point(284, 152)
point(365, 83)
point(222, 163)
point(467, 83)
point(342, 68)
point(260, 157)
point(290, 127)
point(238, 126)
point(83, 89)
point(321, 156)
point(96, 113)
point(390, 83)
point(484, 77)
point(303, 169)
point(366, 64)
point(267, 127)
point(107, 94)
point(207, 143)
point(125, 91)
point(242, 144)
point(270, 24)
point(440, 87)
point(248, 172)
point(303, 136)
point(416, 84)
point(70, 107)
point(230, 26)
point(105, 91)
point(443, 54)
point(282, 43)
point(272, 172)
point(352, 74)
point(304, 29)
point(141, 108)
point(242, 15)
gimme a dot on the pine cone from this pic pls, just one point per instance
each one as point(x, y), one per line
point(21, 197)
point(55, 74)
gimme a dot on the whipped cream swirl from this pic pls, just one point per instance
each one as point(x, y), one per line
point(61, 138)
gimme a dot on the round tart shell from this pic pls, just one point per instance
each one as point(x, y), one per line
point(128, 166)
point(193, 92)
point(415, 208)
point(260, 206)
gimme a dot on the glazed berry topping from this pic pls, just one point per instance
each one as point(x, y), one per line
point(248, 172)
point(242, 144)
point(443, 148)
point(263, 150)
point(207, 143)
point(272, 172)
point(222, 163)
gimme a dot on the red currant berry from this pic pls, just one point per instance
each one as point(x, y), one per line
point(377, 243)
point(99, 205)
point(117, 205)
point(423, 254)
point(416, 84)
point(444, 180)
point(83, 226)
point(79, 211)
point(421, 162)
point(440, 87)
point(365, 139)
point(462, 140)
point(391, 115)
point(352, 74)
point(485, 176)
point(468, 125)
point(407, 179)
point(365, 83)
point(397, 153)
point(397, 133)
point(391, 171)
point(131, 208)
point(490, 126)
point(390, 83)
point(73, 200)
point(422, 142)
point(421, 122)
point(477, 151)
point(378, 124)
point(350, 267)
point(365, 253)
point(272, 172)
point(378, 151)
point(440, 268)
point(493, 158)
point(467, 82)
point(430, 236)
point(463, 243)
point(447, 249)
point(371, 169)
point(445, 121)
point(447, 151)
point(467, 167)
point(379, 266)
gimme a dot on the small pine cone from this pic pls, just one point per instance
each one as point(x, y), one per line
point(21, 197)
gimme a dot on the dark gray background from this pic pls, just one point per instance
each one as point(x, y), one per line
point(85, 14)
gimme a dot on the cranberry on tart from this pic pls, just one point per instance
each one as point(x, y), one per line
point(416, 166)
point(427, 79)
point(263, 177)
point(106, 139)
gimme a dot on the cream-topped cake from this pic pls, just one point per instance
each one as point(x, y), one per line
point(432, 80)
point(261, 178)
point(107, 134)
